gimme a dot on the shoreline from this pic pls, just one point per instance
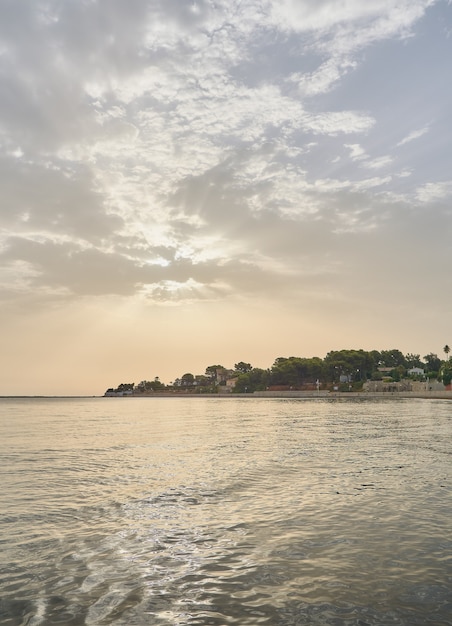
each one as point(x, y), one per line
point(309, 395)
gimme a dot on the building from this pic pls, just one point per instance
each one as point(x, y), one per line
point(416, 371)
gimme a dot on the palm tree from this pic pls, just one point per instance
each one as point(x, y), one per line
point(446, 351)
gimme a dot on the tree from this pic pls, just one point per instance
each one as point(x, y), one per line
point(242, 367)
point(125, 387)
point(315, 369)
point(187, 380)
point(212, 371)
point(358, 364)
point(413, 360)
point(254, 380)
point(446, 351)
point(203, 381)
point(397, 373)
point(392, 358)
point(294, 371)
point(433, 362)
point(150, 385)
point(446, 373)
point(288, 371)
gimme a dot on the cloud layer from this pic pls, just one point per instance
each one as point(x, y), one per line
point(195, 151)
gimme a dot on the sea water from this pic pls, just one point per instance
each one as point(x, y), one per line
point(174, 511)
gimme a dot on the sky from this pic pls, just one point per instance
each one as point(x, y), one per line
point(188, 183)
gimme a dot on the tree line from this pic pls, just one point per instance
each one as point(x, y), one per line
point(339, 368)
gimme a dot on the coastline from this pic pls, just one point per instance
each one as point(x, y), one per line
point(309, 395)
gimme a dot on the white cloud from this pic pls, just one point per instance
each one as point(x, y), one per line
point(338, 122)
point(432, 192)
point(370, 183)
point(378, 163)
point(356, 151)
point(323, 15)
point(415, 134)
point(324, 77)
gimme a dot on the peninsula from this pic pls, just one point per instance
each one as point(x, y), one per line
point(343, 371)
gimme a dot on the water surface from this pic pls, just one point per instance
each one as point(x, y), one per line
point(178, 511)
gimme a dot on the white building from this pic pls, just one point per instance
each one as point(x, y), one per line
point(416, 371)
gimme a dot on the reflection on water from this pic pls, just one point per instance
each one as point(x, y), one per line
point(225, 511)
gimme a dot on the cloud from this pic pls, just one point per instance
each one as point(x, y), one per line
point(53, 198)
point(340, 31)
point(326, 14)
point(415, 134)
point(241, 172)
point(356, 151)
point(172, 149)
point(432, 192)
point(378, 162)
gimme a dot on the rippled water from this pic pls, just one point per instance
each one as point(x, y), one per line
point(248, 511)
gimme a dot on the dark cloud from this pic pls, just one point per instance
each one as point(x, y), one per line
point(79, 271)
point(53, 198)
point(82, 271)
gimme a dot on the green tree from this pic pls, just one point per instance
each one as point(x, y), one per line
point(125, 387)
point(392, 358)
point(397, 373)
point(254, 380)
point(413, 360)
point(151, 385)
point(212, 371)
point(187, 380)
point(296, 371)
point(288, 371)
point(315, 369)
point(446, 373)
point(433, 362)
point(446, 351)
point(358, 364)
point(242, 367)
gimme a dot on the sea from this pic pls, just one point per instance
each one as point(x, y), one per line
point(218, 511)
